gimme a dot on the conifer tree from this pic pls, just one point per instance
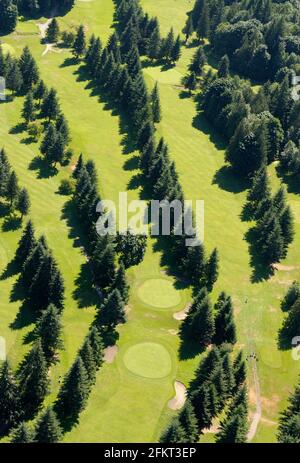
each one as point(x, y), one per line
point(188, 28)
point(33, 263)
point(121, 284)
point(52, 33)
point(239, 370)
point(79, 45)
point(174, 434)
point(86, 354)
point(288, 430)
point(224, 322)
point(204, 401)
point(198, 62)
point(40, 91)
point(48, 430)
point(10, 406)
point(33, 379)
point(26, 243)
point(201, 323)
point(23, 202)
point(22, 434)
point(8, 16)
point(74, 391)
point(291, 296)
point(290, 326)
point(234, 427)
point(190, 82)
point(79, 166)
point(286, 222)
point(103, 262)
point(49, 330)
point(223, 70)
point(28, 108)
point(155, 104)
point(50, 105)
point(112, 311)
point(212, 269)
point(260, 189)
point(29, 69)
point(96, 345)
point(176, 50)
point(167, 45)
point(188, 422)
point(14, 79)
point(203, 26)
point(12, 189)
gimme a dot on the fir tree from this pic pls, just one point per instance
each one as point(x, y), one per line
point(286, 222)
point(10, 406)
point(22, 435)
point(33, 379)
point(201, 323)
point(50, 105)
point(239, 370)
point(223, 70)
point(52, 33)
point(97, 346)
point(79, 45)
point(291, 296)
point(8, 16)
point(73, 394)
point(26, 243)
point(203, 26)
point(40, 91)
point(28, 108)
point(174, 434)
point(188, 422)
point(29, 69)
point(121, 284)
point(176, 50)
point(198, 62)
point(212, 269)
point(155, 104)
point(49, 330)
point(23, 202)
point(112, 311)
point(14, 79)
point(224, 322)
point(86, 354)
point(12, 189)
point(190, 82)
point(188, 28)
point(48, 430)
point(103, 262)
point(234, 427)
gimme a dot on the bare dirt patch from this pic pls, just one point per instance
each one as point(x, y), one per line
point(183, 313)
point(286, 268)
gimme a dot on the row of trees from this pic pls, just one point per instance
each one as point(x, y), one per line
point(206, 326)
point(17, 197)
point(289, 422)
point(289, 330)
point(259, 37)
point(9, 10)
point(275, 226)
point(219, 383)
point(20, 74)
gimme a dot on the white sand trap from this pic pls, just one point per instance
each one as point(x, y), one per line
point(179, 400)
point(109, 353)
point(182, 314)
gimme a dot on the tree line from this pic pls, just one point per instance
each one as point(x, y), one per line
point(10, 9)
point(219, 387)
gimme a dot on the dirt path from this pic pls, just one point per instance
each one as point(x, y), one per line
point(257, 415)
point(180, 397)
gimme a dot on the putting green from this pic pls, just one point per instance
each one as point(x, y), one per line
point(148, 359)
point(8, 48)
point(158, 292)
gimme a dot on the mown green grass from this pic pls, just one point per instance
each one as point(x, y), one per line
point(124, 407)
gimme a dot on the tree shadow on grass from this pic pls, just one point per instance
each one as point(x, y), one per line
point(202, 124)
point(76, 231)
point(10, 270)
point(25, 317)
point(292, 181)
point(247, 213)
point(229, 181)
point(132, 163)
point(43, 168)
point(28, 140)
point(11, 223)
point(261, 270)
point(69, 62)
point(188, 348)
point(18, 292)
point(18, 128)
point(85, 293)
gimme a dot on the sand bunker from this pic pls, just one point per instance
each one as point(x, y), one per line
point(182, 314)
point(110, 353)
point(286, 268)
point(179, 400)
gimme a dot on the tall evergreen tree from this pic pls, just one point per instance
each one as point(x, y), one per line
point(12, 189)
point(33, 379)
point(22, 434)
point(212, 269)
point(223, 70)
point(50, 105)
point(121, 284)
point(198, 62)
point(23, 202)
point(103, 262)
point(155, 104)
point(224, 321)
point(112, 311)
point(188, 422)
point(49, 330)
point(97, 346)
point(174, 434)
point(79, 45)
point(74, 391)
point(10, 406)
point(29, 69)
point(291, 296)
point(52, 34)
point(26, 243)
point(28, 108)
point(48, 430)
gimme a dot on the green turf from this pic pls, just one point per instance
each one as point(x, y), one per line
point(115, 412)
point(148, 359)
point(159, 293)
point(6, 48)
